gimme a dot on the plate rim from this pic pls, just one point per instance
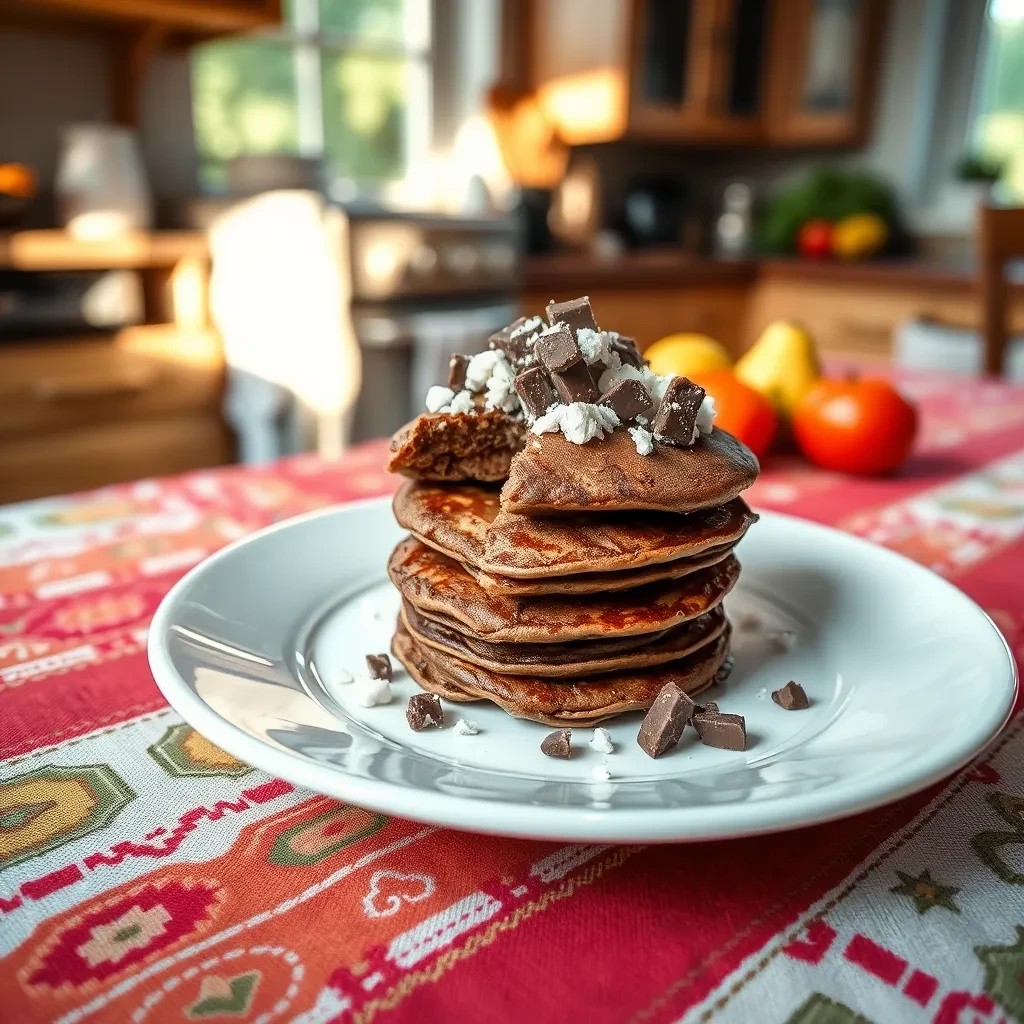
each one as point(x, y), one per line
point(596, 824)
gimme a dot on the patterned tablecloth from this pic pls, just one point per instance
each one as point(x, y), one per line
point(147, 875)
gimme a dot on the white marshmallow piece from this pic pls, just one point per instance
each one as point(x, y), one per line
point(464, 728)
point(371, 692)
point(601, 741)
point(438, 397)
point(643, 439)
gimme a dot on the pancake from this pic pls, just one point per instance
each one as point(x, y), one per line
point(438, 585)
point(552, 476)
point(584, 658)
point(467, 523)
point(553, 703)
point(595, 582)
point(457, 446)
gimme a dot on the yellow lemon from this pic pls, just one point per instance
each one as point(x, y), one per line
point(858, 236)
point(687, 355)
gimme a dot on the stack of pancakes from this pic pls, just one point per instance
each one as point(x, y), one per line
point(577, 591)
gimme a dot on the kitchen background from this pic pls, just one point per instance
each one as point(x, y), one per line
point(231, 230)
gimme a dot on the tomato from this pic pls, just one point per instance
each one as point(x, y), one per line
point(855, 426)
point(740, 410)
point(814, 238)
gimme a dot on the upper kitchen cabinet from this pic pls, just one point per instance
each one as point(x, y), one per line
point(187, 16)
point(787, 72)
point(824, 71)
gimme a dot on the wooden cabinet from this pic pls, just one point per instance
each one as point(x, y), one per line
point(710, 72)
point(202, 16)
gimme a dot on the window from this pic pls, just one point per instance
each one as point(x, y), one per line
point(998, 128)
point(344, 81)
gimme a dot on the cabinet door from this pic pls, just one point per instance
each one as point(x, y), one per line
point(824, 63)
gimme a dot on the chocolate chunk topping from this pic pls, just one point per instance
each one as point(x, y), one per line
point(558, 349)
point(725, 669)
point(627, 399)
point(508, 341)
point(557, 744)
point(424, 709)
point(676, 421)
point(576, 313)
point(711, 708)
point(791, 697)
point(664, 722)
point(726, 732)
point(576, 385)
point(379, 666)
point(457, 371)
point(626, 349)
point(534, 390)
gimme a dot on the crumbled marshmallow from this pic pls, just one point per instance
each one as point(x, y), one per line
point(599, 771)
point(370, 692)
point(464, 728)
point(438, 397)
point(762, 693)
point(532, 326)
point(601, 741)
point(462, 402)
point(579, 422)
point(643, 439)
point(480, 368)
point(595, 346)
point(500, 391)
point(656, 385)
point(706, 415)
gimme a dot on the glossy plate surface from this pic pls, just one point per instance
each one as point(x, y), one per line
point(907, 677)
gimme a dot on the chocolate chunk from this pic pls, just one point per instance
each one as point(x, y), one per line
point(711, 708)
point(457, 372)
point(725, 669)
point(726, 732)
point(791, 697)
point(557, 744)
point(665, 720)
point(508, 341)
point(576, 313)
point(576, 385)
point(627, 399)
point(676, 421)
point(626, 349)
point(379, 666)
point(558, 349)
point(534, 390)
point(424, 709)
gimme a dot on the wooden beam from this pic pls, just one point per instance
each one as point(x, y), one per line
point(130, 53)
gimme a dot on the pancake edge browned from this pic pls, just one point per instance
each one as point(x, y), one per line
point(658, 651)
point(694, 673)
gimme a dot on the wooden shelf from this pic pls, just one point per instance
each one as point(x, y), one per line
point(57, 250)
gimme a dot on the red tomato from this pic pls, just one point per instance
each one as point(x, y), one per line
point(815, 238)
point(855, 426)
point(740, 410)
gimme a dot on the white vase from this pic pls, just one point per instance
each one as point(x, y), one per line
point(101, 183)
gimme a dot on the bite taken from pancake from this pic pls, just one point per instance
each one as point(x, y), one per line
point(573, 518)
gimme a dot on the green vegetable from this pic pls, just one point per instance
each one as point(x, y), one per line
point(977, 167)
point(828, 193)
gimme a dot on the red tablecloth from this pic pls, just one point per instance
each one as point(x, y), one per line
point(147, 875)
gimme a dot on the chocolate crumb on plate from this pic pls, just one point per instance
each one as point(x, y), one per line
point(557, 744)
point(534, 390)
point(665, 720)
point(379, 666)
point(724, 731)
point(627, 399)
point(791, 697)
point(424, 709)
point(457, 371)
point(576, 313)
point(676, 421)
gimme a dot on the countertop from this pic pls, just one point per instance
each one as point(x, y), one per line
point(652, 268)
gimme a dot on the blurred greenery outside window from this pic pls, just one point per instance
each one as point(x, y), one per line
point(347, 81)
point(997, 132)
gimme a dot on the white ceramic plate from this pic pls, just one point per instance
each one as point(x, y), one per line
point(908, 679)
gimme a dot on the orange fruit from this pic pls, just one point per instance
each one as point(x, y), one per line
point(740, 410)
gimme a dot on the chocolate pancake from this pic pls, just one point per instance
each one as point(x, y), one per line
point(595, 582)
point(468, 523)
point(553, 703)
point(457, 446)
point(553, 476)
point(438, 585)
point(564, 661)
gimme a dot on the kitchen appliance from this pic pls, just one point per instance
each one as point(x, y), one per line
point(422, 287)
point(656, 210)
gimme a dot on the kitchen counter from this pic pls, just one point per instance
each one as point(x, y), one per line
point(656, 267)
